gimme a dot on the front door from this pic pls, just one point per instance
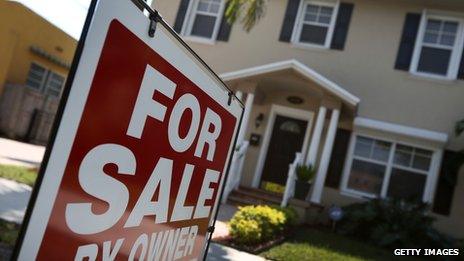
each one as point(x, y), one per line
point(286, 140)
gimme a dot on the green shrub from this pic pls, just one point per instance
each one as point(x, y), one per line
point(256, 224)
point(393, 223)
point(305, 173)
point(291, 216)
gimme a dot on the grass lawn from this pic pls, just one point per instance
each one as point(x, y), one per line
point(19, 174)
point(8, 232)
point(312, 244)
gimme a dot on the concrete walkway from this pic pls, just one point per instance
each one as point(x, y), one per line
point(13, 200)
point(19, 153)
point(218, 252)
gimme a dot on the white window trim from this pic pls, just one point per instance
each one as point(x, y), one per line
point(432, 174)
point(48, 79)
point(297, 27)
point(457, 49)
point(189, 19)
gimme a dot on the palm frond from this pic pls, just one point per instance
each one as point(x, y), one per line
point(250, 11)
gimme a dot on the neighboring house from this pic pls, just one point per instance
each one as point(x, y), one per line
point(35, 60)
point(367, 91)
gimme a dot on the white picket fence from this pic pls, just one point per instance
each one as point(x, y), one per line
point(291, 178)
point(235, 172)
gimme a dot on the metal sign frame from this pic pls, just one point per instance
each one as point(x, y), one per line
point(156, 19)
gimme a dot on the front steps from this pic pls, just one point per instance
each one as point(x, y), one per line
point(252, 196)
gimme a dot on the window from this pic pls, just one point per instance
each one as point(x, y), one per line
point(439, 47)
point(54, 84)
point(44, 81)
point(315, 23)
point(36, 77)
point(380, 168)
point(205, 19)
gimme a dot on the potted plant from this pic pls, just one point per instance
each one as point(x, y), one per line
point(304, 176)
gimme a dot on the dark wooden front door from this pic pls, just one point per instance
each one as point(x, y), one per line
point(286, 140)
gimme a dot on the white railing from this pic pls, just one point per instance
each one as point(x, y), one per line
point(235, 172)
point(291, 178)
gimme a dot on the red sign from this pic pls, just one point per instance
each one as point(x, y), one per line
point(145, 165)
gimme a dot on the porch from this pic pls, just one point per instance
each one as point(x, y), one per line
point(291, 118)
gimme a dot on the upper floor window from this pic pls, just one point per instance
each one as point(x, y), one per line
point(44, 80)
point(204, 19)
point(379, 168)
point(315, 23)
point(438, 48)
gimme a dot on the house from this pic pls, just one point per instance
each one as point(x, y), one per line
point(35, 60)
point(366, 91)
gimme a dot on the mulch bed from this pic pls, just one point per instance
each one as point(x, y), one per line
point(255, 249)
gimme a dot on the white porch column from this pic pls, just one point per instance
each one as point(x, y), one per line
point(325, 158)
point(316, 137)
point(239, 95)
point(246, 116)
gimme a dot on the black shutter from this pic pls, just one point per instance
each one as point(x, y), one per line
point(224, 30)
point(289, 20)
point(446, 182)
point(341, 26)
point(337, 159)
point(408, 40)
point(181, 15)
point(461, 68)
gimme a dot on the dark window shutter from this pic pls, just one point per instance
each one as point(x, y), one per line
point(446, 182)
point(337, 159)
point(408, 40)
point(224, 30)
point(289, 20)
point(461, 68)
point(341, 26)
point(181, 15)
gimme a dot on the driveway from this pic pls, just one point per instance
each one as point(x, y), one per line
point(13, 200)
point(19, 153)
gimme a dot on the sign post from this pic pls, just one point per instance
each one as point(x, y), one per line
point(138, 156)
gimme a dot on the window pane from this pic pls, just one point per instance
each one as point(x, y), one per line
point(450, 27)
point(381, 151)
point(403, 155)
point(431, 37)
point(433, 25)
point(421, 162)
point(203, 6)
point(326, 10)
point(406, 184)
point(310, 18)
point(36, 76)
point(447, 39)
point(366, 177)
point(363, 147)
point(324, 19)
point(434, 60)
point(313, 34)
point(203, 26)
point(314, 9)
point(214, 8)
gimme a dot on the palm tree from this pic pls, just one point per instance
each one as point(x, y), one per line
point(248, 11)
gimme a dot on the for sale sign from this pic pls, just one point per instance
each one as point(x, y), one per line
point(140, 155)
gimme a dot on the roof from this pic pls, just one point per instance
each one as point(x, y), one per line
point(302, 69)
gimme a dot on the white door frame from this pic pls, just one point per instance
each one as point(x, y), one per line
point(287, 112)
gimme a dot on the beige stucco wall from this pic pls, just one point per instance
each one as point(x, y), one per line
point(364, 67)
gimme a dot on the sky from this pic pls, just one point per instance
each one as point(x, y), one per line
point(68, 15)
